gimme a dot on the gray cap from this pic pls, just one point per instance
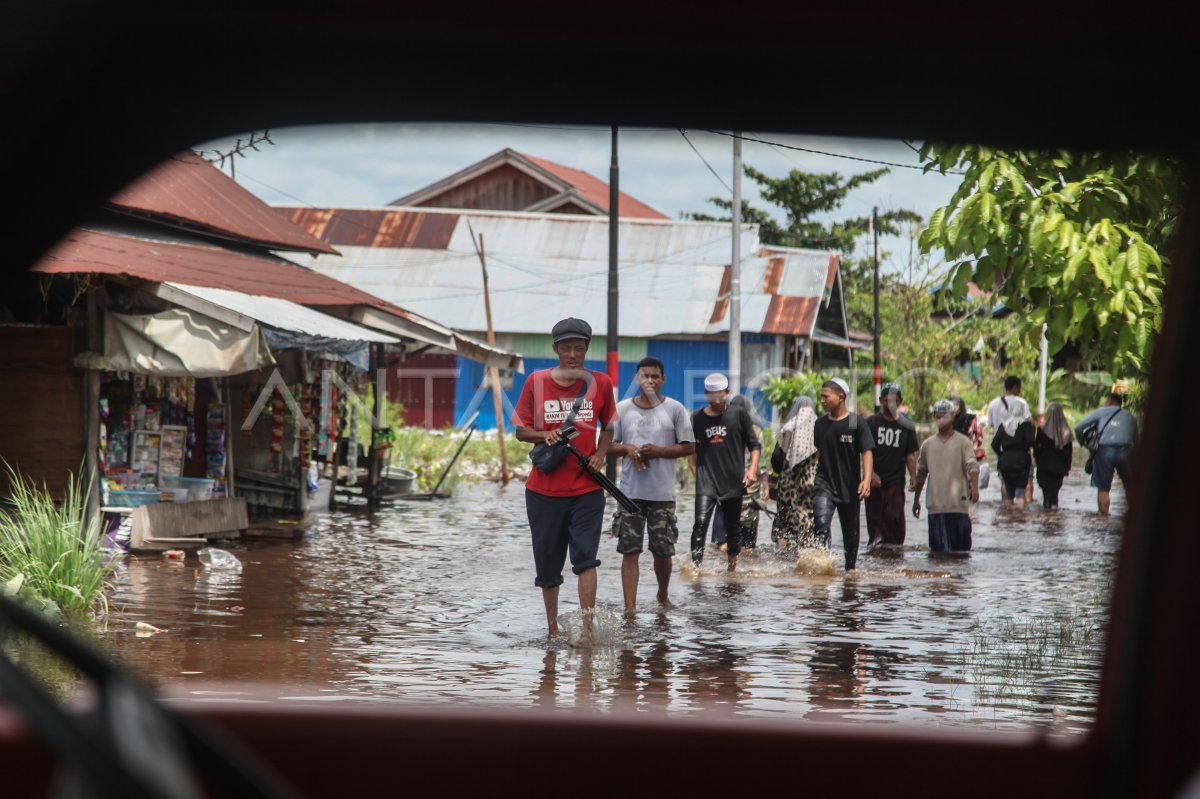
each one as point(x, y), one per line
point(571, 328)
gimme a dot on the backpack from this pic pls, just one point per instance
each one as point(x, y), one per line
point(1090, 438)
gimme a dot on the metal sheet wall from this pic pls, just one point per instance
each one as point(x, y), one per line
point(686, 364)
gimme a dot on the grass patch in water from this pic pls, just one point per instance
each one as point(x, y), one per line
point(427, 452)
point(50, 554)
point(1014, 658)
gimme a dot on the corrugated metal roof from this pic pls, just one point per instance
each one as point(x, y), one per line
point(188, 191)
point(673, 274)
point(374, 228)
point(285, 315)
point(84, 250)
point(95, 252)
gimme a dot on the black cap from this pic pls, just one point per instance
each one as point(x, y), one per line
point(571, 328)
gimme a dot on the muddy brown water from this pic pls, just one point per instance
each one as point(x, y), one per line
point(433, 603)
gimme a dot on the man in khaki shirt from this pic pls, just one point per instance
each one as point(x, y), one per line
point(947, 461)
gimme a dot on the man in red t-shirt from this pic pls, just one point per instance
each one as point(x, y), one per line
point(565, 506)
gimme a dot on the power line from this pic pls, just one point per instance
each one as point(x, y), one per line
point(743, 137)
point(683, 133)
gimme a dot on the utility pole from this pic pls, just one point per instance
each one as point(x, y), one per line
point(493, 372)
point(873, 230)
point(735, 273)
point(1045, 359)
point(614, 216)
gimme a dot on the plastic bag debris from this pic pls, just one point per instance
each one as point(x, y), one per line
point(145, 629)
point(219, 559)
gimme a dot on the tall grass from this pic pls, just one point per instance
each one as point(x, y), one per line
point(51, 553)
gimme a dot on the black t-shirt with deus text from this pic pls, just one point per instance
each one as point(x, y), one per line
point(721, 444)
point(839, 471)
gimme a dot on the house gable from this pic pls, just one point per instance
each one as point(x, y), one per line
point(513, 181)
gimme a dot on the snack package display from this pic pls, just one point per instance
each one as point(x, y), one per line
point(214, 449)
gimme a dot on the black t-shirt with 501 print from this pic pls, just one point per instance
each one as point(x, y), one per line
point(839, 471)
point(721, 444)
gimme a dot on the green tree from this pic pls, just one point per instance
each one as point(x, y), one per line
point(802, 196)
point(922, 351)
point(1075, 241)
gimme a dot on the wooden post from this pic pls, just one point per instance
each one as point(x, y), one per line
point(493, 372)
point(91, 397)
point(374, 477)
point(225, 394)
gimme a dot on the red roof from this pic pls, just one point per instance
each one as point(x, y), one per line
point(596, 191)
point(187, 191)
point(90, 251)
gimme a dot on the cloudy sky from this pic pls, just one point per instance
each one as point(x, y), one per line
point(370, 164)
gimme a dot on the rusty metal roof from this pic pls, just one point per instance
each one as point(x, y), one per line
point(374, 228)
point(92, 251)
point(674, 274)
point(105, 253)
point(189, 192)
point(783, 289)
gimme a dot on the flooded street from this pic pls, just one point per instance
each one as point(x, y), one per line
point(434, 603)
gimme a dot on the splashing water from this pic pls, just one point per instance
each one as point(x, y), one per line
point(607, 628)
point(817, 562)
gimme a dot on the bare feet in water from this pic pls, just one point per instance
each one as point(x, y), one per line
point(732, 564)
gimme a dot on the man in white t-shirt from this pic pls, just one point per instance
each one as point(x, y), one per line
point(652, 431)
point(998, 408)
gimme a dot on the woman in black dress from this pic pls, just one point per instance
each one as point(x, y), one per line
point(1013, 444)
point(1052, 449)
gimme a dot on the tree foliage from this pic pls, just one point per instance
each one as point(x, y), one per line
point(801, 196)
point(1075, 241)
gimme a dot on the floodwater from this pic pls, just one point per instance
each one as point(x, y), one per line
point(433, 603)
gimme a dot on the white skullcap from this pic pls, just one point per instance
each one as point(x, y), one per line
point(716, 382)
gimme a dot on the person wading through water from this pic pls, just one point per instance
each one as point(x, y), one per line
point(1117, 434)
point(1013, 445)
point(842, 439)
point(947, 462)
point(1052, 450)
point(795, 461)
point(894, 453)
point(1000, 409)
point(565, 506)
point(651, 432)
point(723, 433)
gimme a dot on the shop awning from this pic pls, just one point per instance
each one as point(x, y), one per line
point(273, 312)
point(432, 333)
point(178, 343)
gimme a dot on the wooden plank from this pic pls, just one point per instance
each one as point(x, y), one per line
point(213, 518)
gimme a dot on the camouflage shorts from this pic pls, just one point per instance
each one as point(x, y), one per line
point(658, 517)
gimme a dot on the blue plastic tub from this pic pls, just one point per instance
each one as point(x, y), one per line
point(132, 499)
